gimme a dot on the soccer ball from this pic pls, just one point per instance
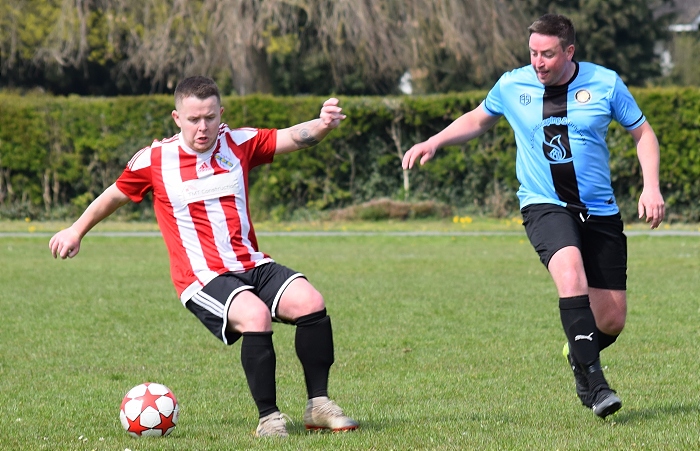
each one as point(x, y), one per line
point(149, 410)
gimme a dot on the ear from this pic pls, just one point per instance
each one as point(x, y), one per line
point(176, 118)
point(570, 52)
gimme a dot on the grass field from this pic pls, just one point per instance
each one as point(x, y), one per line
point(442, 342)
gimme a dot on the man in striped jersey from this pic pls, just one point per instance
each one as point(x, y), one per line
point(560, 110)
point(199, 181)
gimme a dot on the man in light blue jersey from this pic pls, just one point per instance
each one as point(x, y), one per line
point(560, 110)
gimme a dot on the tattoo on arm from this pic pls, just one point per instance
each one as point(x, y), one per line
point(303, 137)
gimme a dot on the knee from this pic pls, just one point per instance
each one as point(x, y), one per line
point(612, 324)
point(252, 317)
point(612, 321)
point(310, 302)
point(609, 309)
point(300, 303)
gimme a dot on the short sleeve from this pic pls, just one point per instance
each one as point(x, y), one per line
point(493, 104)
point(136, 180)
point(624, 108)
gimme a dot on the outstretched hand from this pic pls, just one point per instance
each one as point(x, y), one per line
point(65, 244)
point(422, 150)
point(651, 205)
point(331, 113)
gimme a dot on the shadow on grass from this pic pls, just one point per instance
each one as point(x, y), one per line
point(636, 415)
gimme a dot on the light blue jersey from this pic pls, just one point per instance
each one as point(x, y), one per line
point(562, 157)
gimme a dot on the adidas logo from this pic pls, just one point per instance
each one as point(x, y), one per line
point(204, 167)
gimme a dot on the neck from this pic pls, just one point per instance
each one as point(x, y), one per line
point(570, 69)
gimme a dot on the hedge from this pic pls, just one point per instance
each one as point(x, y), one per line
point(59, 153)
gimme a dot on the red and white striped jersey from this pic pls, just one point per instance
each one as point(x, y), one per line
point(201, 202)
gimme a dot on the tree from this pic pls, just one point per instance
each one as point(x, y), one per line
point(618, 34)
point(288, 47)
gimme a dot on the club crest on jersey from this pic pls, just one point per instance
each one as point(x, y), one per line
point(525, 99)
point(582, 96)
point(557, 153)
point(225, 163)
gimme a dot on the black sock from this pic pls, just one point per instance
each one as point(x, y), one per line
point(594, 374)
point(579, 326)
point(259, 362)
point(605, 340)
point(314, 346)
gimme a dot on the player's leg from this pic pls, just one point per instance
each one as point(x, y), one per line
point(555, 233)
point(304, 306)
point(605, 258)
point(231, 311)
point(610, 311)
point(250, 316)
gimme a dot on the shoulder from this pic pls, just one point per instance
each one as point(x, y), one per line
point(525, 74)
point(598, 74)
point(239, 135)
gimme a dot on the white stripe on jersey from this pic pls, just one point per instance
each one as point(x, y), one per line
point(172, 180)
point(141, 160)
point(217, 217)
point(241, 135)
point(174, 186)
point(203, 278)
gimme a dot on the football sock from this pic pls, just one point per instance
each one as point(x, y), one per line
point(259, 362)
point(605, 340)
point(579, 326)
point(594, 374)
point(314, 347)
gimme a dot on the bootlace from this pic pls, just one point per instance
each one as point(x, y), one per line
point(275, 424)
point(329, 408)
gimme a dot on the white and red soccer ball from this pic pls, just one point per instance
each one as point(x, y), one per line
point(149, 409)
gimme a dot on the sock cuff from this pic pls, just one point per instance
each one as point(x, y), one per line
point(257, 338)
point(256, 334)
point(311, 318)
point(574, 302)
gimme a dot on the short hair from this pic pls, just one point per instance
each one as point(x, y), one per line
point(197, 86)
point(555, 25)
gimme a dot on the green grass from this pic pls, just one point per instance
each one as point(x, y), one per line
point(456, 224)
point(442, 342)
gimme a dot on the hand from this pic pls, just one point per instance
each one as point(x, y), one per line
point(651, 204)
point(423, 150)
point(331, 113)
point(65, 243)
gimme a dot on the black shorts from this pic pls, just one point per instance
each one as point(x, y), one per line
point(600, 239)
point(211, 303)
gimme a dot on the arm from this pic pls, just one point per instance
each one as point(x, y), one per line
point(66, 243)
point(651, 202)
point(466, 127)
point(310, 133)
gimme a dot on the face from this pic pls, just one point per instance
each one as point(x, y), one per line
point(199, 121)
point(551, 62)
